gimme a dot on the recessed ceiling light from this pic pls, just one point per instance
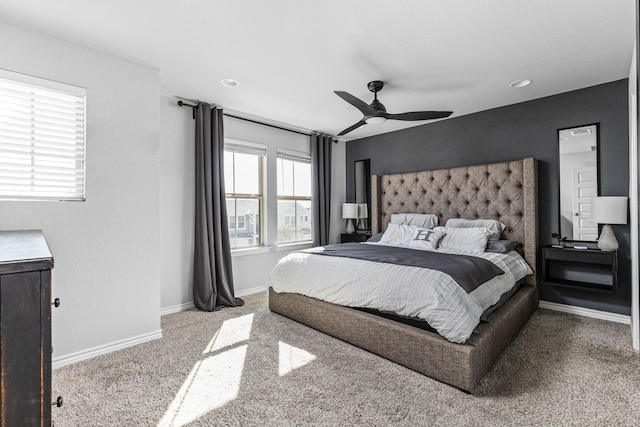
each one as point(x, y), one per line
point(521, 83)
point(229, 83)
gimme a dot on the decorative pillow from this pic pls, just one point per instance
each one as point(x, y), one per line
point(464, 239)
point(375, 238)
point(418, 220)
point(495, 226)
point(414, 237)
point(426, 238)
point(501, 246)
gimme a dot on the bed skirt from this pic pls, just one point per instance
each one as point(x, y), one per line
point(460, 365)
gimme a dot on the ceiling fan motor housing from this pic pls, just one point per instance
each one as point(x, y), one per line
point(375, 86)
point(377, 105)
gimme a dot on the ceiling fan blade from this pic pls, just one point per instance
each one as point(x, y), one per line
point(419, 115)
point(353, 127)
point(365, 108)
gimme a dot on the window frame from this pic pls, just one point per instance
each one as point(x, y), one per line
point(299, 157)
point(244, 147)
point(47, 141)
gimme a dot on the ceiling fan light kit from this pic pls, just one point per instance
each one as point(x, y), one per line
point(376, 113)
point(375, 120)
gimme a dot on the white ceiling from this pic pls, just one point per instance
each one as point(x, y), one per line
point(290, 55)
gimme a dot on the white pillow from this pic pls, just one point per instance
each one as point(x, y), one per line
point(493, 225)
point(397, 234)
point(464, 239)
point(419, 220)
point(411, 236)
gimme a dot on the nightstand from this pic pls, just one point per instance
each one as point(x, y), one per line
point(585, 268)
point(354, 237)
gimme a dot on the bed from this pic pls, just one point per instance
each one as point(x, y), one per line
point(503, 191)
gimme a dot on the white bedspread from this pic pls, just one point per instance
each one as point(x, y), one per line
point(408, 291)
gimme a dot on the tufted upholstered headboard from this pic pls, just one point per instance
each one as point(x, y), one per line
point(503, 191)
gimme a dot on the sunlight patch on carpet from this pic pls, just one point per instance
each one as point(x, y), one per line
point(232, 332)
point(211, 383)
point(291, 358)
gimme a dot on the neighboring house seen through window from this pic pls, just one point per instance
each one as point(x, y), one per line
point(42, 139)
point(243, 186)
point(294, 198)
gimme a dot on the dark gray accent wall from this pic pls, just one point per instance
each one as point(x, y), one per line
point(514, 132)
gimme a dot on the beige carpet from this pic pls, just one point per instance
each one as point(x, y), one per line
point(249, 367)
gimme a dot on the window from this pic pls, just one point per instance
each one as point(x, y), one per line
point(243, 186)
point(294, 198)
point(42, 139)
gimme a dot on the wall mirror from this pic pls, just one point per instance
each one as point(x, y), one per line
point(363, 192)
point(578, 173)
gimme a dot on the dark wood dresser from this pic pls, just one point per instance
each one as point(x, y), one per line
point(25, 329)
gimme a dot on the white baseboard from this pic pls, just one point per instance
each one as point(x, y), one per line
point(189, 305)
point(90, 353)
point(587, 312)
point(251, 291)
point(176, 308)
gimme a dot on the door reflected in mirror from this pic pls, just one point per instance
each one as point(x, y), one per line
point(363, 192)
point(578, 164)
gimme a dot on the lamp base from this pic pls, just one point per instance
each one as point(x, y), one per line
point(350, 228)
point(607, 240)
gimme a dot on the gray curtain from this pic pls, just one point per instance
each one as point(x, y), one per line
point(212, 271)
point(321, 187)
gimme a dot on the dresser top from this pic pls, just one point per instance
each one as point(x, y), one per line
point(24, 250)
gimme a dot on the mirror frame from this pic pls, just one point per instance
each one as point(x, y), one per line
point(366, 166)
point(598, 173)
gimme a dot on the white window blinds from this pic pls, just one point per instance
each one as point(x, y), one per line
point(42, 139)
point(244, 147)
point(294, 156)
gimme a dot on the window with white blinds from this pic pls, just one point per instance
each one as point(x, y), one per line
point(42, 139)
point(243, 163)
point(295, 224)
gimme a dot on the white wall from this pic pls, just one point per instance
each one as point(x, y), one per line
point(250, 268)
point(177, 202)
point(106, 253)
point(127, 250)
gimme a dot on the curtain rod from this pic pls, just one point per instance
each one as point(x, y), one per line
point(184, 104)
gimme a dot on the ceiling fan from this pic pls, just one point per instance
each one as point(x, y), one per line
point(376, 113)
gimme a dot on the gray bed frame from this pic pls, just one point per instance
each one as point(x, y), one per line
point(505, 191)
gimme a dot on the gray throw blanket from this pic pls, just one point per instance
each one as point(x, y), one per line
point(468, 271)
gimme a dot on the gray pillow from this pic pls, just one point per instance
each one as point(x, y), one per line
point(419, 220)
point(375, 238)
point(501, 246)
point(493, 225)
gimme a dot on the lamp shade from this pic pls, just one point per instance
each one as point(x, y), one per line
point(350, 210)
point(362, 210)
point(608, 210)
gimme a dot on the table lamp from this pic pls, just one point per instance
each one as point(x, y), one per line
point(608, 210)
point(349, 212)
